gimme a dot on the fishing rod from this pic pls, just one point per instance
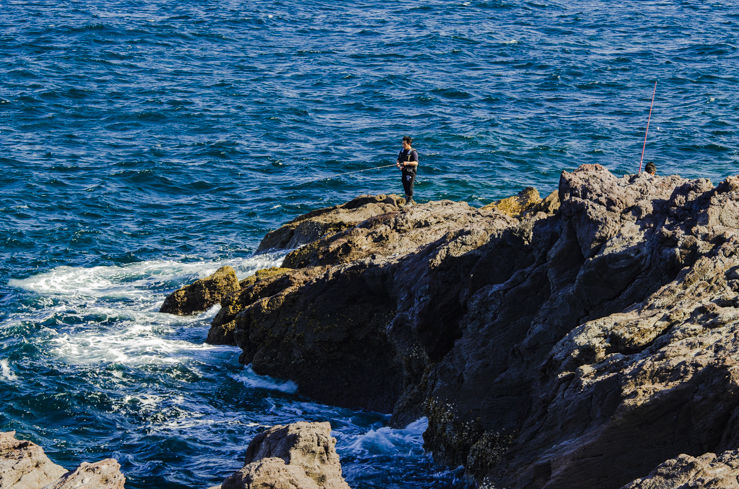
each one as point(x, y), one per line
point(346, 173)
point(647, 131)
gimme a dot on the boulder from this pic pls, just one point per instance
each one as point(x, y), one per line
point(202, 294)
point(23, 465)
point(297, 456)
point(105, 474)
point(708, 471)
point(550, 204)
point(261, 285)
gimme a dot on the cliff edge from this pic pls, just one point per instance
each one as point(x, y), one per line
point(578, 345)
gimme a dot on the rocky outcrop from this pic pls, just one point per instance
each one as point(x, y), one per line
point(319, 223)
point(105, 474)
point(23, 465)
point(202, 294)
point(335, 308)
point(518, 205)
point(578, 345)
point(709, 471)
point(296, 456)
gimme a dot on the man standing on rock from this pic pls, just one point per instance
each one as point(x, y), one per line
point(408, 164)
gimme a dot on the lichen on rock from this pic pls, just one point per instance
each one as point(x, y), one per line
point(202, 294)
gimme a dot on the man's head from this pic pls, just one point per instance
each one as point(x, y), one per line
point(407, 140)
point(651, 168)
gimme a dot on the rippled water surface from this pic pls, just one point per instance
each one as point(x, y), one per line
point(144, 145)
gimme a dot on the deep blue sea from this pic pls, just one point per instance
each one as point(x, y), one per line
point(145, 144)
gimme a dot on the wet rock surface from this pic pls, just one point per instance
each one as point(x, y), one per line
point(24, 465)
point(296, 456)
point(202, 294)
point(579, 345)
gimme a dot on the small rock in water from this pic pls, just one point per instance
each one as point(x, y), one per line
point(300, 455)
point(202, 294)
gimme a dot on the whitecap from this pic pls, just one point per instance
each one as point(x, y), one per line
point(134, 344)
point(6, 372)
point(255, 381)
point(133, 280)
point(389, 441)
point(109, 314)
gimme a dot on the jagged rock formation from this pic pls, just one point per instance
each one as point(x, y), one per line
point(296, 456)
point(24, 465)
point(202, 294)
point(576, 346)
point(105, 474)
point(709, 471)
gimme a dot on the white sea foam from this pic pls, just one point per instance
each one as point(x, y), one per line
point(131, 344)
point(109, 314)
point(251, 379)
point(6, 372)
point(388, 440)
point(133, 280)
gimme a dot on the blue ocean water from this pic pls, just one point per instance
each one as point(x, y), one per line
point(143, 145)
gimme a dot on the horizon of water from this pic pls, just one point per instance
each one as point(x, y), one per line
point(145, 145)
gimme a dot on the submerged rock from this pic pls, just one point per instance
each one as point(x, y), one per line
point(578, 345)
point(202, 294)
point(23, 465)
point(296, 456)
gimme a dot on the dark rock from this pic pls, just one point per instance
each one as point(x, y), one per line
point(399, 232)
point(263, 283)
point(570, 348)
point(323, 322)
point(202, 294)
point(296, 456)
